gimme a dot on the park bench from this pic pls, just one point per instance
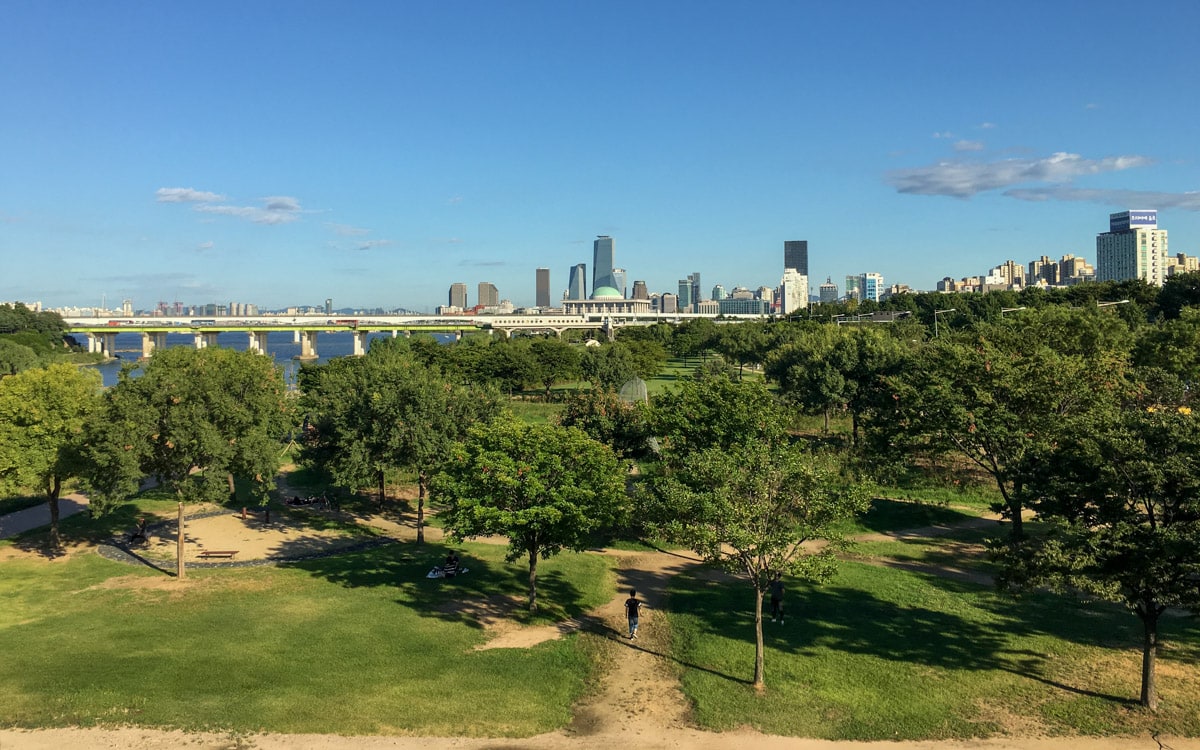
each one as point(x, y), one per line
point(211, 553)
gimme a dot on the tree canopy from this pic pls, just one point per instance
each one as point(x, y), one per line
point(545, 487)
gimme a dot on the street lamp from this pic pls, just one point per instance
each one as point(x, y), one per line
point(1110, 304)
point(935, 322)
point(1009, 309)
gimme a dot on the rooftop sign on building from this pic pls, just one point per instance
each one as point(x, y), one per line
point(1126, 220)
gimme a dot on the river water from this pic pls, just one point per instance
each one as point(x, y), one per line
point(280, 346)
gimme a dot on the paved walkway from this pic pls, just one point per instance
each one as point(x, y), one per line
point(32, 518)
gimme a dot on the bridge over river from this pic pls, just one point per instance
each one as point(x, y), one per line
point(100, 333)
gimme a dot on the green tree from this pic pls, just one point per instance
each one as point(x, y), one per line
point(1120, 495)
point(618, 424)
point(386, 410)
point(1172, 346)
point(716, 413)
point(198, 418)
point(732, 488)
point(15, 357)
point(556, 361)
point(995, 405)
point(545, 487)
point(1179, 292)
point(743, 343)
point(42, 418)
point(607, 366)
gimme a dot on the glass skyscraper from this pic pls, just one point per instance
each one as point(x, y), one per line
point(795, 255)
point(577, 282)
point(602, 263)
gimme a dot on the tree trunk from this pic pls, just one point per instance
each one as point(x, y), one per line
point(52, 498)
point(1014, 510)
point(382, 488)
point(533, 579)
point(232, 488)
point(826, 411)
point(421, 479)
point(1149, 614)
point(759, 683)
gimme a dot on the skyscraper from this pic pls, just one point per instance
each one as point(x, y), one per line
point(697, 292)
point(458, 295)
point(602, 263)
point(489, 295)
point(1132, 248)
point(577, 282)
point(542, 296)
point(793, 291)
point(640, 291)
point(795, 255)
point(829, 292)
point(619, 282)
point(684, 302)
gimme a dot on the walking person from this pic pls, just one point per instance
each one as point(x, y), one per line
point(777, 599)
point(633, 607)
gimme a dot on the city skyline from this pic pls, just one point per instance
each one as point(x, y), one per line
point(379, 153)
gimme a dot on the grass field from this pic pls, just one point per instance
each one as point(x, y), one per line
point(362, 643)
point(885, 654)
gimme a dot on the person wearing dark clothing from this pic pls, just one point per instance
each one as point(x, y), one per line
point(450, 568)
point(633, 607)
point(777, 598)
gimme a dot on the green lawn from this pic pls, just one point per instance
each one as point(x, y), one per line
point(357, 644)
point(885, 514)
point(881, 654)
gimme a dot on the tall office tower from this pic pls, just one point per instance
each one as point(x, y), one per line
point(458, 295)
point(870, 286)
point(489, 295)
point(602, 263)
point(795, 255)
point(577, 282)
point(697, 293)
point(718, 292)
point(542, 296)
point(828, 291)
point(668, 303)
point(793, 292)
point(619, 281)
point(1132, 248)
point(329, 306)
point(640, 291)
point(683, 303)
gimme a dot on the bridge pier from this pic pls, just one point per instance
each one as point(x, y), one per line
point(101, 343)
point(152, 341)
point(360, 343)
point(204, 340)
point(258, 341)
point(308, 344)
point(296, 336)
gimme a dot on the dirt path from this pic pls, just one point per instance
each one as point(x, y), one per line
point(39, 515)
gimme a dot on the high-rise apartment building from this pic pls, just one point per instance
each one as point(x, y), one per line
point(795, 255)
point(577, 282)
point(489, 295)
point(458, 295)
point(602, 263)
point(1132, 248)
point(718, 292)
point(542, 287)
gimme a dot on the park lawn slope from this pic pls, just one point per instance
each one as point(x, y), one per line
point(356, 644)
point(878, 654)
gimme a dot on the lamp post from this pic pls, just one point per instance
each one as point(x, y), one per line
point(1110, 304)
point(936, 313)
point(1009, 309)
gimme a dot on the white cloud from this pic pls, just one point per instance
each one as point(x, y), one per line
point(346, 230)
point(943, 134)
point(275, 210)
point(186, 195)
point(205, 245)
point(1189, 201)
point(968, 145)
point(986, 125)
point(372, 244)
point(455, 199)
point(962, 179)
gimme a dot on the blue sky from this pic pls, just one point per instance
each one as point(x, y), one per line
point(376, 152)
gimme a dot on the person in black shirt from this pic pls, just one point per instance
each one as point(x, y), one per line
point(632, 608)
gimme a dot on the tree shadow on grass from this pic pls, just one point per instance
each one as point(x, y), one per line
point(485, 592)
point(846, 619)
